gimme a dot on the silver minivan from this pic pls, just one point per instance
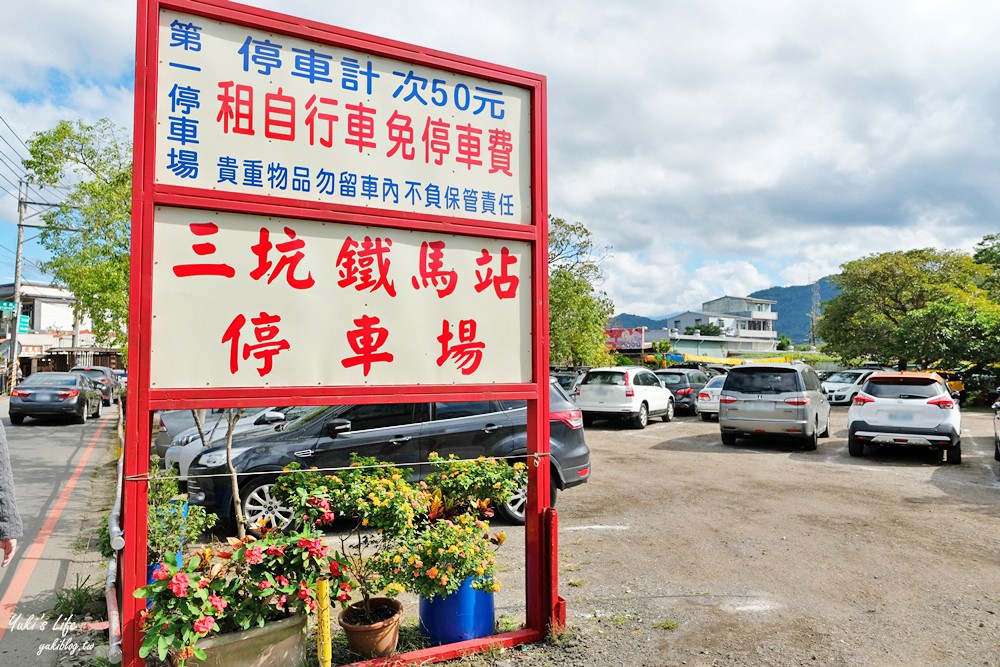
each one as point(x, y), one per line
point(774, 399)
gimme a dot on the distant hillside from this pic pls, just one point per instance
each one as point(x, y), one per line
point(794, 305)
point(793, 308)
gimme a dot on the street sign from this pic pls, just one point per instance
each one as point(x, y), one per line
point(7, 305)
point(22, 324)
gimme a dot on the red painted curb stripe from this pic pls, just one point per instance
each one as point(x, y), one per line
point(27, 565)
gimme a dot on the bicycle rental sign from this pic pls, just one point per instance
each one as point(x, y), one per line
point(322, 216)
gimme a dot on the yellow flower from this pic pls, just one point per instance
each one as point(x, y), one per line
point(480, 571)
point(496, 586)
point(444, 579)
point(397, 559)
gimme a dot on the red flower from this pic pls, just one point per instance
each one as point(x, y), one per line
point(217, 602)
point(264, 584)
point(315, 547)
point(335, 568)
point(254, 555)
point(276, 550)
point(204, 625)
point(281, 601)
point(204, 583)
point(282, 581)
point(160, 573)
point(305, 593)
point(179, 585)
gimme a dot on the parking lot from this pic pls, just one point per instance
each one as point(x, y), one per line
point(682, 551)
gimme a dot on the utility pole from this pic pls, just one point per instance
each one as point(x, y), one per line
point(22, 205)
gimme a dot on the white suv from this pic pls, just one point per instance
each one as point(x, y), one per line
point(630, 393)
point(906, 408)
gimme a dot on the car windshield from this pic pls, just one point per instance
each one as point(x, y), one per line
point(92, 374)
point(717, 381)
point(49, 380)
point(671, 378)
point(566, 380)
point(846, 378)
point(763, 381)
point(604, 377)
point(903, 388)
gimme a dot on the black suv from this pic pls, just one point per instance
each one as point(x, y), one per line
point(684, 384)
point(105, 379)
point(402, 433)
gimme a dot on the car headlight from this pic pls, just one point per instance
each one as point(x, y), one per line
point(184, 438)
point(218, 458)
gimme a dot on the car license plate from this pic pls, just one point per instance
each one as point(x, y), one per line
point(45, 397)
point(900, 417)
point(759, 406)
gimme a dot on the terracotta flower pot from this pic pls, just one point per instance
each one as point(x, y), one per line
point(378, 639)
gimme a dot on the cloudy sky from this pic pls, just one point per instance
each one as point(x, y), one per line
point(717, 147)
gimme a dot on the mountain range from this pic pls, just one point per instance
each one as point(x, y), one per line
point(794, 303)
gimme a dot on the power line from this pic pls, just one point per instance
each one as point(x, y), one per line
point(15, 134)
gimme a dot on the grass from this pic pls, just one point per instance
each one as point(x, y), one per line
point(665, 624)
point(82, 599)
point(575, 583)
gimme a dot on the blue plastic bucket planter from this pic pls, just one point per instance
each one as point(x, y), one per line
point(465, 614)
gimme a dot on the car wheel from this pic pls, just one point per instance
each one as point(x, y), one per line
point(729, 439)
point(261, 508)
point(641, 419)
point(17, 420)
point(82, 417)
point(706, 416)
point(513, 510)
point(955, 453)
point(106, 401)
point(811, 442)
point(855, 447)
point(826, 430)
point(96, 414)
point(669, 414)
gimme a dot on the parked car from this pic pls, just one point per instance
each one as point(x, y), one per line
point(55, 394)
point(403, 433)
point(906, 408)
point(187, 445)
point(708, 398)
point(104, 378)
point(841, 387)
point(631, 393)
point(684, 384)
point(568, 378)
point(122, 376)
point(778, 399)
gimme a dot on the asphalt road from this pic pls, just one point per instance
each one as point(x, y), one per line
point(53, 463)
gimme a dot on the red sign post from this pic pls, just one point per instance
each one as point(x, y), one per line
point(322, 216)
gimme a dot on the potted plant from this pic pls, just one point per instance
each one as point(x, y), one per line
point(383, 505)
point(172, 523)
point(232, 605)
point(449, 558)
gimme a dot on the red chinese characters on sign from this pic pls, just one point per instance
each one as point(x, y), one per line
point(432, 271)
point(504, 284)
point(266, 345)
point(203, 229)
point(366, 342)
point(291, 255)
point(467, 352)
point(235, 107)
point(366, 265)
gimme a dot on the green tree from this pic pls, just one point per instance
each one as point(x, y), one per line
point(706, 329)
point(877, 293)
point(953, 332)
point(988, 254)
point(578, 311)
point(784, 342)
point(88, 235)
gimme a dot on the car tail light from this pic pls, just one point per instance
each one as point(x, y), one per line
point(861, 399)
point(21, 393)
point(572, 418)
point(943, 403)
point(798, 400)
point(629, 391)
point(727, 399)
point(69, 393)
point(684, 392)
point(704, 397)
point(103, 380)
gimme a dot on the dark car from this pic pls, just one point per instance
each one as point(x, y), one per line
point(684, 383)
point(52, 394)
point(104, 378)
point(403, 433)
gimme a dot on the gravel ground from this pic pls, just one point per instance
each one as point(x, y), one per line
point(681, 551)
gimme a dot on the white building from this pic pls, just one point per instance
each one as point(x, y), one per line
point(747, 324)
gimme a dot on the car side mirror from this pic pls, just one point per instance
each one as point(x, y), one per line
point(336, 427)
point(269, 418)
point(956, 395)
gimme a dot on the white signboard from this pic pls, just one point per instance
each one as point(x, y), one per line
point(254, 301)
point(250, 112)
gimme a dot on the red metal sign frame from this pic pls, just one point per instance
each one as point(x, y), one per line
point(543, 605)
